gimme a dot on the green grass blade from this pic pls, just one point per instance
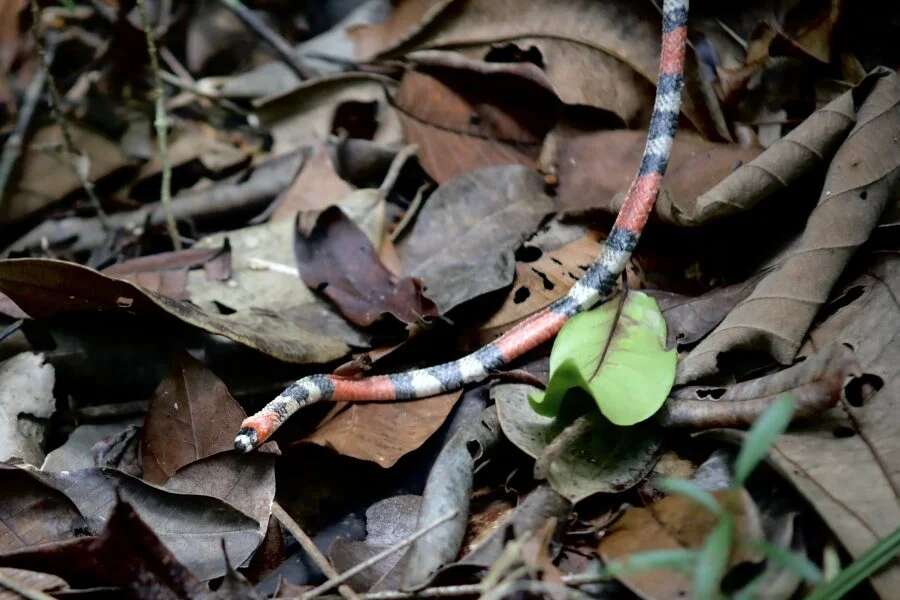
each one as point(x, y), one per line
point(793, 561)
point(712, 562)
point(761, 436)
point(691, 491)
point(873, 559)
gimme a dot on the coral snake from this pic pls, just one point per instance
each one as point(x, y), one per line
point(596, 286)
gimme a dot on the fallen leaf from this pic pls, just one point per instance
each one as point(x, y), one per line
point(672, 523)
point(31, 514)
point(383, 432)
point(191, 526)
point(595, 169)
point(616, 353)
point(126, 554)
point(483, 216)
point(46, 174)
point(455, 107)
point(609, 459)
point(191, 416)
point(31, 580)
point(308, 112)
point(166, 273)
point(860, 182)
point(77, 452)
point(845, 463)
point(26, 396)
point(48, 288)
point(626, 31)
point(337, 259)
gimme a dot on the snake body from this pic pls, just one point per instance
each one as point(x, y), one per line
point(596, 285)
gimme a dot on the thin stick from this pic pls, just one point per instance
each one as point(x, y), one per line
point(56, 106)
point(310, 547)
point(162, 124)
point(376, 558)
point(284, 50)
point(12, 150)
point(396, 166)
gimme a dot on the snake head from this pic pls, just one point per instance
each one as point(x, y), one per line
point(246, 440)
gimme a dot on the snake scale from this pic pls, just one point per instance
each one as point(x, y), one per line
point(597, 285)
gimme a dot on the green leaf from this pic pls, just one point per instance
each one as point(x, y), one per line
point(712, 560)
point(617, 354)
point(761, 436)
point(691, 491)
point(874, 558)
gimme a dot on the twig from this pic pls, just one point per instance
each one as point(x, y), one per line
point(162, 123)
point(57, 110)
point(12, 150)
point(310, 547)
point(396, 166)
point(17, 588)
point(284, 50)
point(376, 558)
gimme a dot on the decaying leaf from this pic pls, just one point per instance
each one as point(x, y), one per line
point(316, 187)
point(607, 459)
point(861, 181)
point(26, 397)
point(31, 581)
point(337, 259)
point(191, 416)
point(383, 432)
point(483, 216)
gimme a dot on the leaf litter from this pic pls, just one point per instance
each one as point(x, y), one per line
point(434, 173)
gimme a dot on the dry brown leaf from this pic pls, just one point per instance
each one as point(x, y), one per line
point(847, 463)
point(627, 31)
point(808, 147)
point(595, 169)
point(31, 580)
point(672, 523)
point(46, 288)
point(383, 432)
point(860, 182)
point(191, 416)
point(47, 175)
point(316, 187)
point(465, 114)
point(307, 113)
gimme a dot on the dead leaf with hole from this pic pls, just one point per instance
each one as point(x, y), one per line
point(595, 169)
point(846, 462)
point(676, 522)
point(465, 115)
point(337, 259)
point(483, 217)
point(46, 173)
point(311, 111)
point(383, 432)
point(861, 180)
point(618, 32)
point(191, 416)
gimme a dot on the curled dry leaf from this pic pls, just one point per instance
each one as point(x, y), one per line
point(626, 31)
point(483, 216)
point(383, 432)
point(337, 259)
point(605, 459)
point(465, 115)
point(861, 180)
point(448, 488)
point(47, 288)
point(191, 416)
point(595, 169)
point(673, 523)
